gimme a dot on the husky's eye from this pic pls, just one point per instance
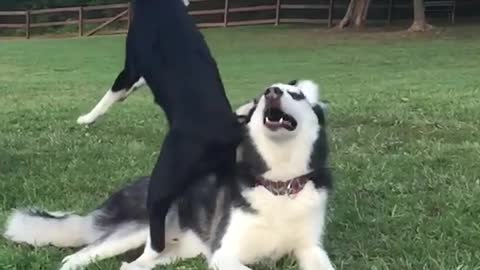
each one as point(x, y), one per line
point(297, 96)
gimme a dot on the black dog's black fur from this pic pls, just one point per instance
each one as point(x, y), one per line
point(166, 49)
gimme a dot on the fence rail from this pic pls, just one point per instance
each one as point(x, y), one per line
point(53, 10)
point(11, 13)
point(78, 18)
point(103, 7)
point(277, 13)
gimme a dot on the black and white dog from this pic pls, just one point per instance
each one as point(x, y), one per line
point(167, 50)
point(121, 88)
point(275, 205)
point(119, 91)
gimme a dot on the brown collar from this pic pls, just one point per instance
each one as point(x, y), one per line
point(289, 187)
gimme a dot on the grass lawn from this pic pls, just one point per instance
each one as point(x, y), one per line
point(404, 131)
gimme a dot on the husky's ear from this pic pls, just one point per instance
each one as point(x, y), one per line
point(246, 108)
point(310, 89)
point(244, 112)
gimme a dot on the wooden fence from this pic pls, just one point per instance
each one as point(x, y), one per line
point(78, 16)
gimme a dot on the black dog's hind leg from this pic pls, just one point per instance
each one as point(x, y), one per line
point(123, 86)
point(183, 160)
point(175, 169)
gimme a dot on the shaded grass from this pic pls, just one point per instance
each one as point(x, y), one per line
point(404, 124)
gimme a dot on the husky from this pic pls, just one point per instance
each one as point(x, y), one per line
point(275, 205)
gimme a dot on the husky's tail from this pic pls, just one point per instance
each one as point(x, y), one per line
point(126, 207)
point(40, 228)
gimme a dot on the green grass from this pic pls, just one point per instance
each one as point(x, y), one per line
point(404, 131)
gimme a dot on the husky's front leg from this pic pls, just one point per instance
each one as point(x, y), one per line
point(150, 258)
point(118, 242)
point(313, 258)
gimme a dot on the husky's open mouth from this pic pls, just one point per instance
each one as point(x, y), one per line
point(274, 118)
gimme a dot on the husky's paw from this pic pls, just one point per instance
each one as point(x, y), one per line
point(133, 266)
point(71, 263)
point(86, 119)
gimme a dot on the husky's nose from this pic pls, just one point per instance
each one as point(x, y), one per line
point(273, 93)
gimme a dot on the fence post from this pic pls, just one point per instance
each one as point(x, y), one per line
point(80, 21)
point(129, 15)
point(330, 14)
point(277, 13)
point(27, 24)
point(225, 14)
point(453, 12)
point(390, 9)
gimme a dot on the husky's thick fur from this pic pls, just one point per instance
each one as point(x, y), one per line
point(231, 223)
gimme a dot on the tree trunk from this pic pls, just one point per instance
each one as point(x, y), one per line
point(419, 21)
point(356, 14)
